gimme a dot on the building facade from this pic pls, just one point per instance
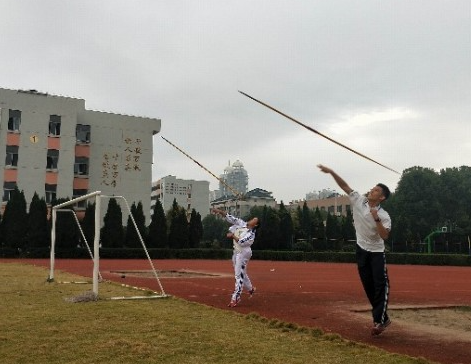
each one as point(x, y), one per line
point(189, 194)
point(335, 204)
point(241, 207)
point(53, 146)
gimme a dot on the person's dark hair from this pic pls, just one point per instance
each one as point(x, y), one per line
point(258, 223)
point(385, 189)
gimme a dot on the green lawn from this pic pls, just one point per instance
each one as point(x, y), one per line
point(39, 325)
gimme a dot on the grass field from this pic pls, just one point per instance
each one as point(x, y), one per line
point(40, 325)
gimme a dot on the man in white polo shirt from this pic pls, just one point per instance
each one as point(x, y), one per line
point(372, 226)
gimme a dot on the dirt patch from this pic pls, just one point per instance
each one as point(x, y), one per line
point(453, 318)
point(452, 322)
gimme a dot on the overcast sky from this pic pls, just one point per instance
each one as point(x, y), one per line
point(390, 79)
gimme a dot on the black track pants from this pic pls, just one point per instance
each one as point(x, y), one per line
point(374, 277)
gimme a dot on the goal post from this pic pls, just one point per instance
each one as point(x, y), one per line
point(97, 196)
point(96, 242)
point(142, 242)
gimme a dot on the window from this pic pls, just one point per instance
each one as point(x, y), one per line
point(52, 158)
point(79, 193)
point(14, 120)
point(81, 166)
point(55, 125)
point(50, 193)
point(8, 190)
point(82, 133)
point(11, 159)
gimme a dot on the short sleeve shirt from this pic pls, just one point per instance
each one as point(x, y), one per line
point(365, 226)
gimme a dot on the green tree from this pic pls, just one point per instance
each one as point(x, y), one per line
point(298, 224)
point(286, 228)
point(333, 230)
point(157, 236)
point(415, 200)
point(214, 231)
point(348, 229)
point(112, 232)
point(303, 229)
point(425, 201)
point(306, 222)
point(88, 225)
point(67, 232)
point(455, 199)
point(132, 238)
point(195, 229)
point(38, 234)
point(318, 227)
point(268, 235)
point(15, 220)
point(401, 237)
point(178, 236)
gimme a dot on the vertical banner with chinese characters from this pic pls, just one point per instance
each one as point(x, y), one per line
point(132, 154)
point(128, 160)
point(110, 169)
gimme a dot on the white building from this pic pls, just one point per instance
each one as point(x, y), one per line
point(189, 194)
point(236, 177)
point(241, 207)
point(53, 146)
point(335, 204)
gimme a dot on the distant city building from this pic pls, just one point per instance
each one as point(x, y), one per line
point(189, 194)
point(241, 208)
point(53, 146)
point(312, 196)
point(322, 194)
point(334, 204)
point(236, 177)
point(213, 195)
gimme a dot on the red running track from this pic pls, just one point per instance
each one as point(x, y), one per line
point(327, 296)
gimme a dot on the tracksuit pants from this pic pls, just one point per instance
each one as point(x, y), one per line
point(374, 277)
point(240, 261)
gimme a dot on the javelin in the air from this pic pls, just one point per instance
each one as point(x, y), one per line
point(238, 194)
point(318, 133)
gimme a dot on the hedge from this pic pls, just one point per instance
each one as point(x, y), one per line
point(275, 255)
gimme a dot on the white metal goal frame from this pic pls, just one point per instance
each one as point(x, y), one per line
point(97, 196)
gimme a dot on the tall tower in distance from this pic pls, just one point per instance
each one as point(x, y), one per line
point(235, 176)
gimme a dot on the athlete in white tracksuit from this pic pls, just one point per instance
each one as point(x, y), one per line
point(243, 235)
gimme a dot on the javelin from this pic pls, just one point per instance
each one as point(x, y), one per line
point(206, 169)
point(318, 133)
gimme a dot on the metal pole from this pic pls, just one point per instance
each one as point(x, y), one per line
point(53, 244)
point(317, 132)
point(236, 193)
point(96, 244)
